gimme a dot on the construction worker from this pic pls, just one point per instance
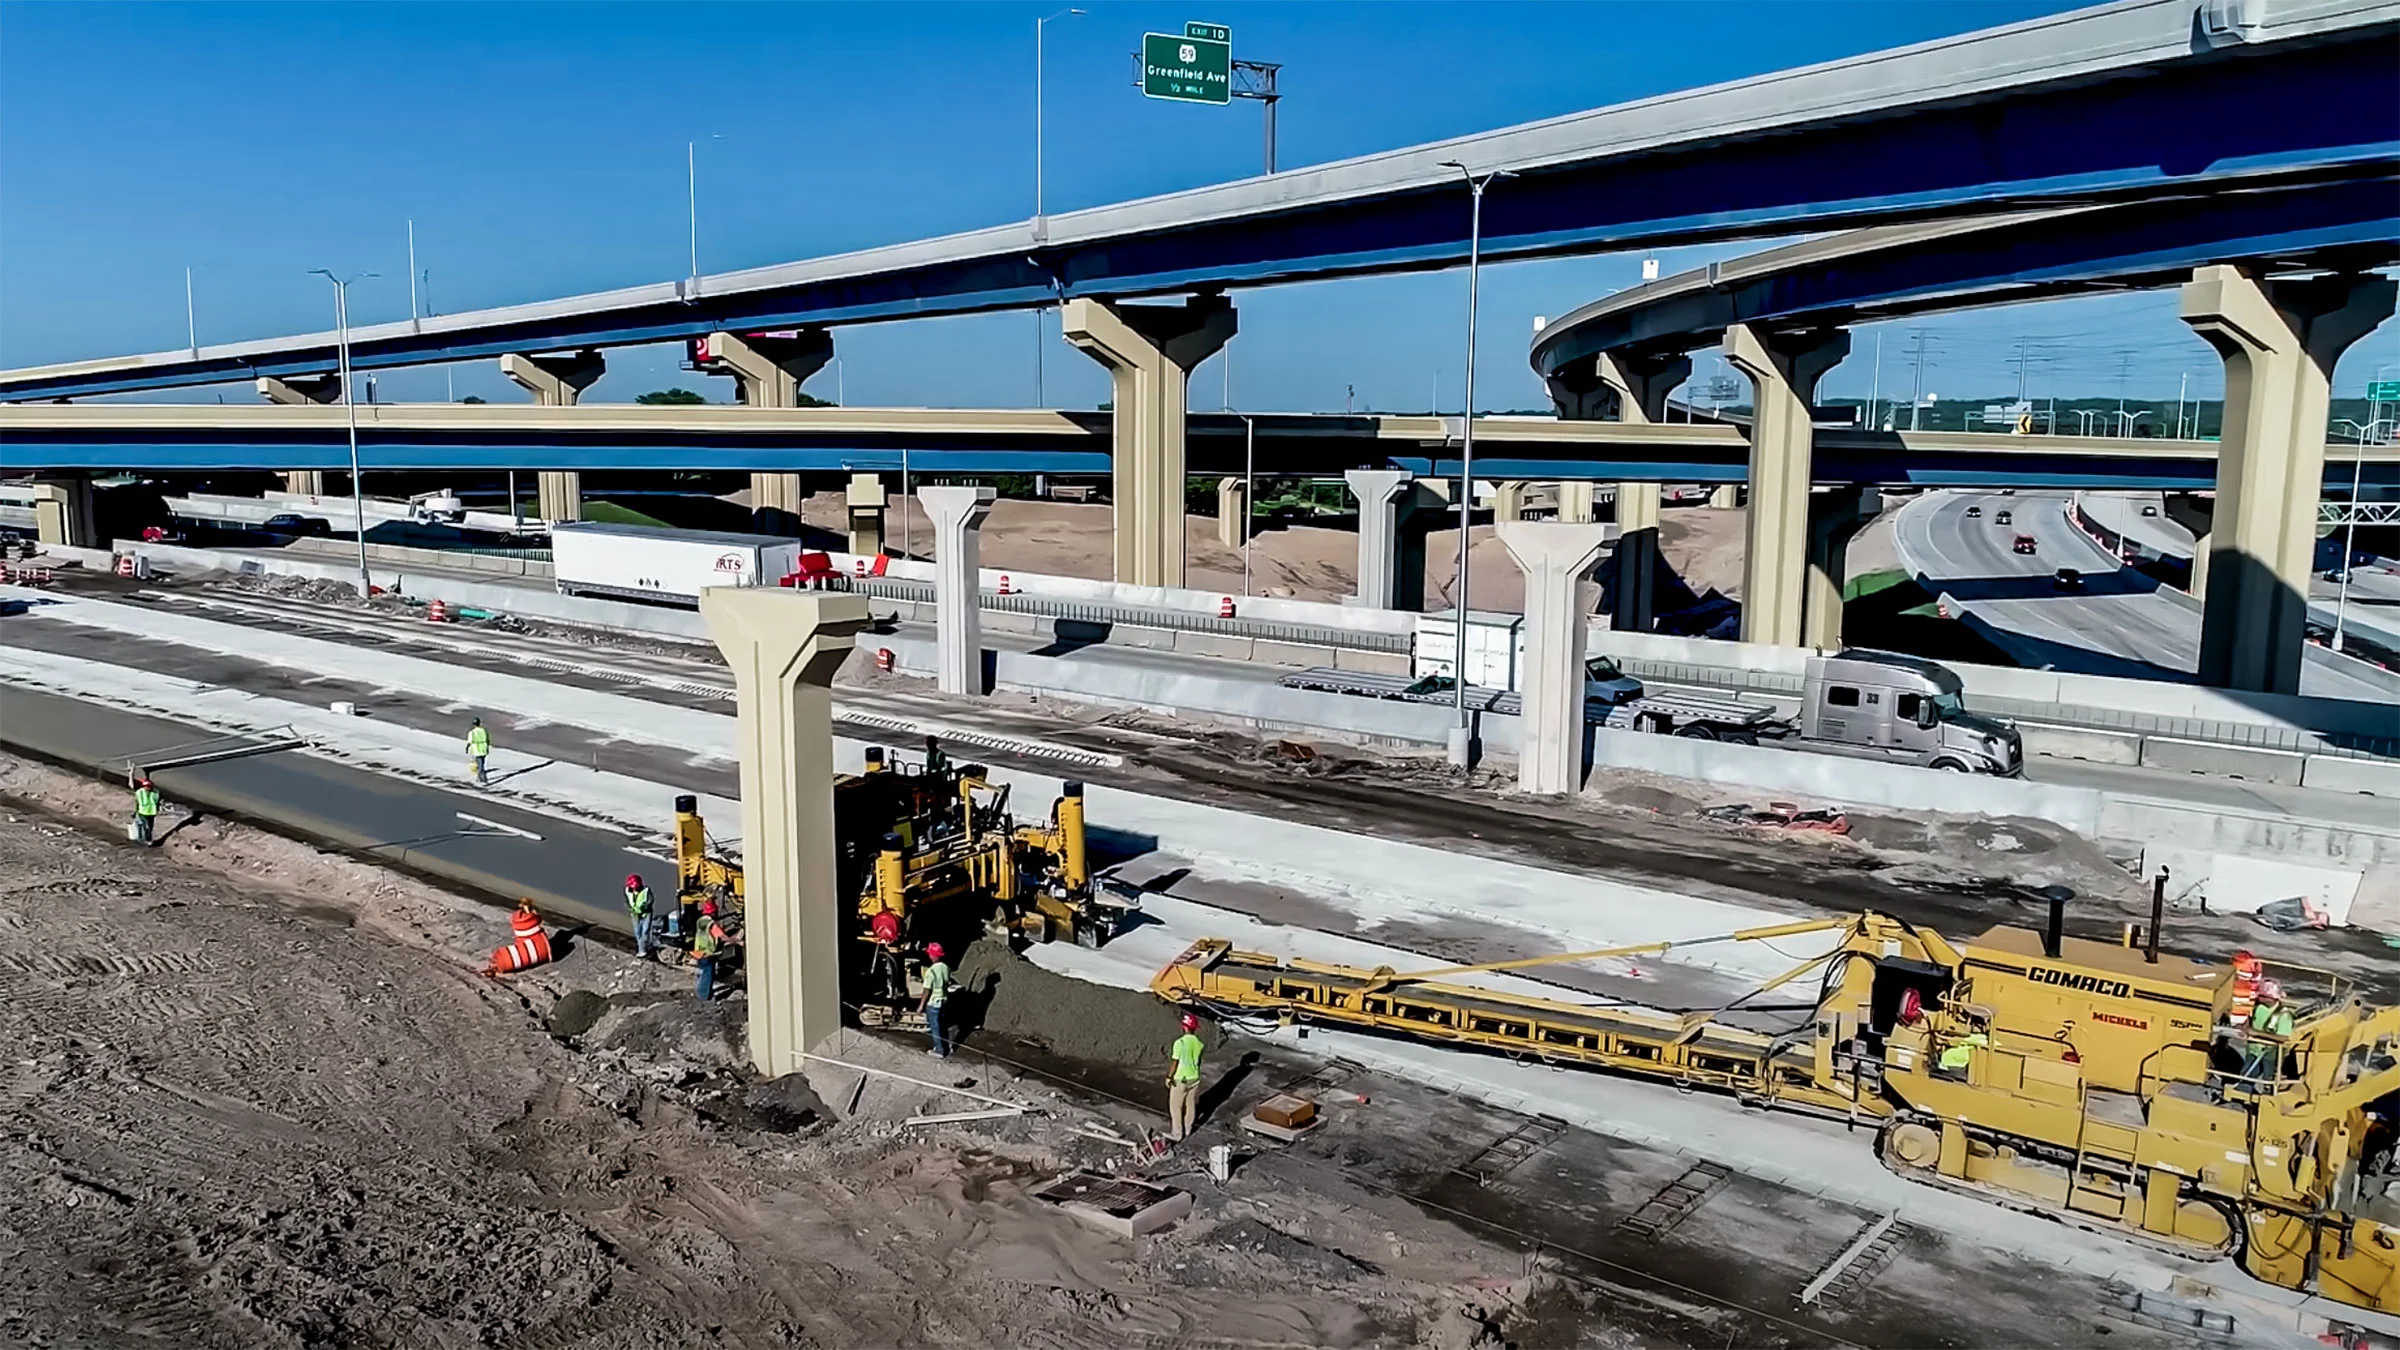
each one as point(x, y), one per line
point(479, 749)
point(637, 903)
point(145, 810)
point(1183, 1079)
point(1958, 1055)
point(937, 992)
point(705, 946)
point(936, 762)
point(2270, 1031)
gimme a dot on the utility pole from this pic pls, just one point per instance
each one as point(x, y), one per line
point(1916, 398)
point(358, 498)
point(1874, 391)
point(2182, 387)
point(1462, 736)
point(191, 326)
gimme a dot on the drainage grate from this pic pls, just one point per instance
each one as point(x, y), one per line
point(1675, 1201)
point(1509, 1152)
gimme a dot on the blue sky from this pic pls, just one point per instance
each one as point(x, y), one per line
point(540, 150)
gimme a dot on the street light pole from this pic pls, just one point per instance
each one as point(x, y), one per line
point(1462, 736)
point(1041, 224)
point(358, 497)
point(2341, 606)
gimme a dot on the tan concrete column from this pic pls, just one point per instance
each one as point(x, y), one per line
point(2280, 340)
point(1578, 503)
point(957, 514)
point(767, 373)
point(1834, 518)
point(1618, 387)
point(1555, 557)
point(1724, 497)
point(62, 512)
point(1508, 502)
point(1233, 512)
point(1391, 572)
point(1637, 557)
point(302, 390)
point(2202, 545)
point(784, 647)
point(556, 380)
point(1784, 369)
point(1149, 351)
point(866, 502)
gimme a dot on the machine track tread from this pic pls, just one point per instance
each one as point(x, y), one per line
point(2090, 1223)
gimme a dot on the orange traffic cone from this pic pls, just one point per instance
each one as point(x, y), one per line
point(528, 945)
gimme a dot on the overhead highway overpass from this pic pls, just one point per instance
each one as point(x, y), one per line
point(2278, 279)
point(2136, 99)
point(41, 438)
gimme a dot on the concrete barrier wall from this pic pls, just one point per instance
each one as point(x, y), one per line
point(1850, 782)
point(2223, 761)
point(2379, 778)
point(2094, 747)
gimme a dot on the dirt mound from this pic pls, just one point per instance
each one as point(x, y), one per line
point(671, 1026)
point(999, 991)
point(575, 1013)
point(777, 1106)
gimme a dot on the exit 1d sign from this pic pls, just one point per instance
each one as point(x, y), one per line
point(1194, 67)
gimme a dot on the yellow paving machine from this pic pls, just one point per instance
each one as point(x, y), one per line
point(2105, 1085)
point(931, 851)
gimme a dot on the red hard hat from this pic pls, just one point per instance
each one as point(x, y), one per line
point(1190, 1023)
point(145, 780)
point(934, 950)
point(708, 906)
point(633, 881)
point(886, 927)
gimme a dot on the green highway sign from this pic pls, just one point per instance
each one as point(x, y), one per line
point(1212, 32)
point(1188, 68)
point(2384, 391)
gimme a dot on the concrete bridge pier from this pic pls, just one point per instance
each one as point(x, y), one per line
point(784, 647)
point(1233, 512)
point(1783, 368)
point(1149, 351)
point(1391, 549)
point(556, 380)
point(1578, 503)
point(62, 511)
point(2198, 515)
point(1631, 608)
point(1724, 497)
point(1555, 557)
point(1834, 519)
point(958, 514)
point(767, 373)
point(2280, 340)
point(1508, 502)
point(865, 499)
point(1620, 387)
point(295, 391)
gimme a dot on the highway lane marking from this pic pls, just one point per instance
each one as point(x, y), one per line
point(496, 825)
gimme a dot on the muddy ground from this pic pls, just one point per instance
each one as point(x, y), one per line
point(262, 1096)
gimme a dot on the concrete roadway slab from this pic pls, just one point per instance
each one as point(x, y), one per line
point(569, 871)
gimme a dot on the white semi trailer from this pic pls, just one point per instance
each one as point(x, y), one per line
point(634, 562)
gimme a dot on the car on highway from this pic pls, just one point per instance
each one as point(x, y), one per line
point(1973, 512)
point(2066, 579)
point(290, 522)
point(2024, 544)
point(2003, 517)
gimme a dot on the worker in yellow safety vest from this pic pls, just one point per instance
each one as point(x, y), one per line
point(1183, 1079)
point(1959, 1054)
point(479, 749)
point(145, 811)
point(637, 904)
point(2270, 1031)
